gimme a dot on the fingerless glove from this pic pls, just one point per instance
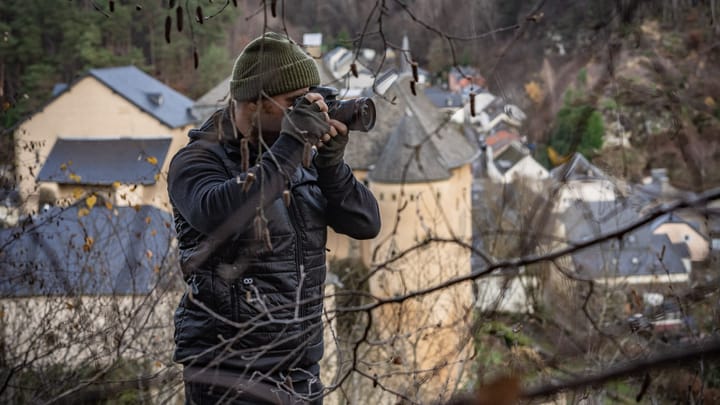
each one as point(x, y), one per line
point(305, 122)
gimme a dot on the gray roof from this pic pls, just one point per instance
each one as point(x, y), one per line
point(636, 253)
point(647, 255)
point(408, 157)
point(509, 157)
point(214, 99)
point(443, 98)
point(121, 251)
point(399, 111)
point(578, 168)
point(148, 94)
point(105, 161)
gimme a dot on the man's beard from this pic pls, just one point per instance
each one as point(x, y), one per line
point(269, 137)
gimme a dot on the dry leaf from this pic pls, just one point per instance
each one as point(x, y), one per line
point(83, 212)
point(90, 201)
point(152, 160)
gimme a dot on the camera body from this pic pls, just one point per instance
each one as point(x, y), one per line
point(357, 113)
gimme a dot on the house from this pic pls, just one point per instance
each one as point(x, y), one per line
point(446, 101)
point(683, 231)
point(579, 180)
point(312, 42)
point(420, 172)
point(514, 162)
point(85, 287)
point(460, 78)
point(111, 132)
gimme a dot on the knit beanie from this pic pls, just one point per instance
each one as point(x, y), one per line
point(272, 63)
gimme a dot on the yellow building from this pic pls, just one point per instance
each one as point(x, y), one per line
point(419, 168)
point(112, 132)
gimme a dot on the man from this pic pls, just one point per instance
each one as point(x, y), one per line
point(252, 201)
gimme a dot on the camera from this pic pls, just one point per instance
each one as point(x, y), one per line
point(357, 113)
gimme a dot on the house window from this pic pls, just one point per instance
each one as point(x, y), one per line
point(394, 197)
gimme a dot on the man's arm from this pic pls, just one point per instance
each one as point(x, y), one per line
point(351, 208)
point(200, 190)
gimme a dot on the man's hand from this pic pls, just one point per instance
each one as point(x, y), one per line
point(332, 146)
point(307, 121)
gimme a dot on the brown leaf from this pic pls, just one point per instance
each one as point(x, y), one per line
point(415, 71)
point(273, 8)
point(412, 88)
point(502, 391)
point(111, 3)
point(353, 69)
point(196, 58)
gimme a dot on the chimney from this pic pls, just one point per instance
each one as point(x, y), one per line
point(313, 44)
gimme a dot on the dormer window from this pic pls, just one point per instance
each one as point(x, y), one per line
point(155, 98)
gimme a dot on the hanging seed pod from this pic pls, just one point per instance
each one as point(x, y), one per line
point(168, 26)
point(199, 14)
point(249, 180)
point(172, 3)
point(273, 8)
point(353, 69)
point(472, 104)
point(307, 155)
point(258, 226)
point(244, 154)
point(196, 58)
point(415, 71)
point(286, 197)
point(266, 239)
point(412, 88)
point(234, 3)
point(111, 4)
point(179, 18)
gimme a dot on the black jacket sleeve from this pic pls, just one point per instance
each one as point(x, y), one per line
point(200, 190)
point(351, 208)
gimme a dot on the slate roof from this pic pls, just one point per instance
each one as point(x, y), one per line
point(508, 157)
point(122, 251)
point(148, 94)
point(443, 98)
point(647, 255)
point(635, 254)
point(578, 168)
point(103, 161)
point(408, 158)
point(404, 121)
point(214, 99)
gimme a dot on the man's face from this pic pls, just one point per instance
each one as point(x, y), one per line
point(271, 112)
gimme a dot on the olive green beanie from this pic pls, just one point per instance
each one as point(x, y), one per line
point(272, 63)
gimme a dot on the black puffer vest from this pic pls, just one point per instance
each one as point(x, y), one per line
point(253, 305)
